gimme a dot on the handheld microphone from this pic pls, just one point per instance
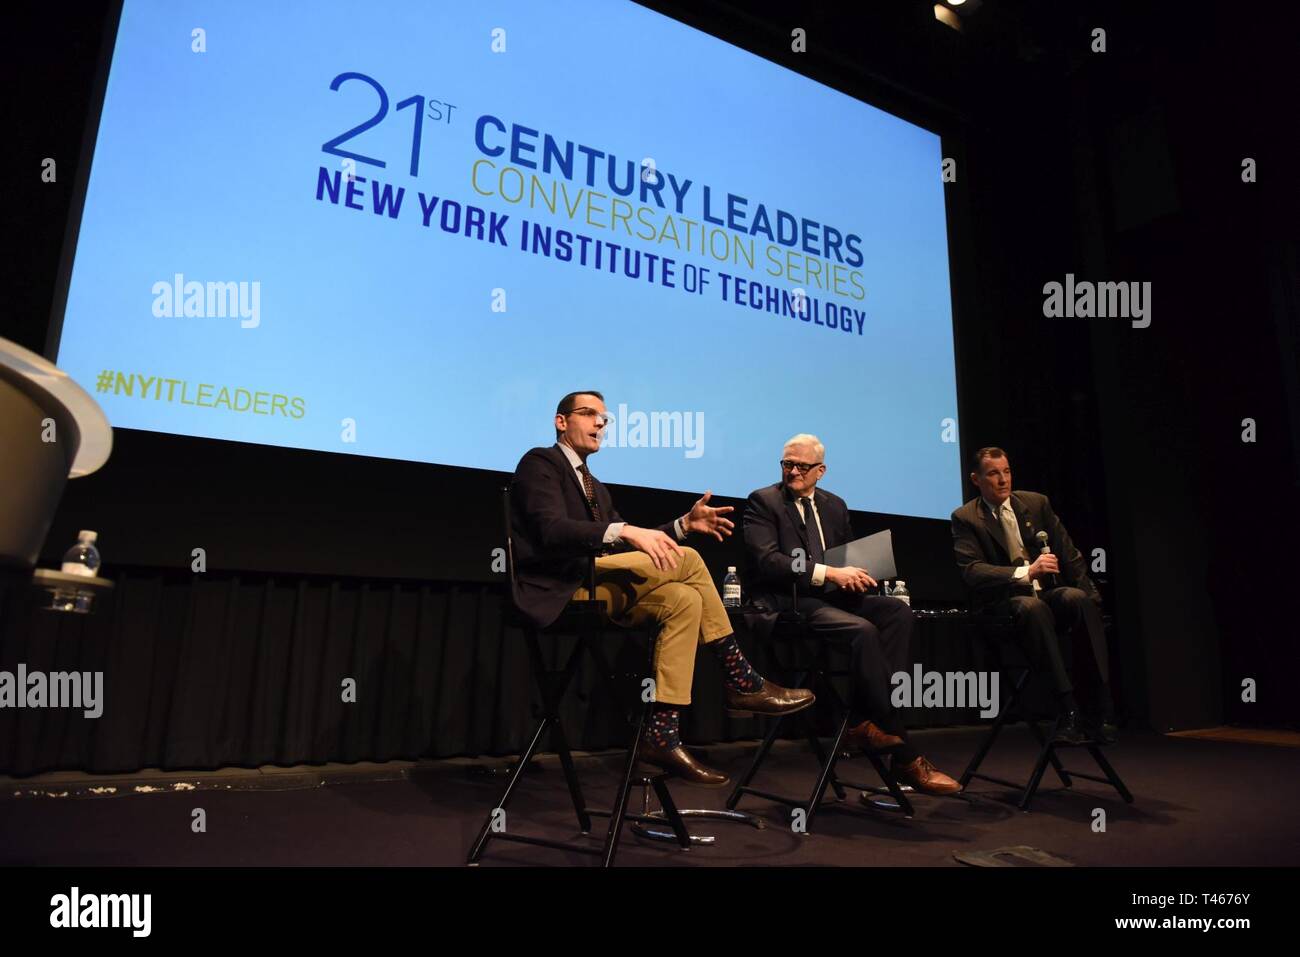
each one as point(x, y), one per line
point(1049, 581)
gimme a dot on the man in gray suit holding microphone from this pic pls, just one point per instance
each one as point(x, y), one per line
point(1016, 558)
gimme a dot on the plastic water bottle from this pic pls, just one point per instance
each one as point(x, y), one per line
point(731, 588)
point(901, 593)
point(884, 589)
point(83, 557)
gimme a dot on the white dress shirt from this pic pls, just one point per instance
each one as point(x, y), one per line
point(1021, 571)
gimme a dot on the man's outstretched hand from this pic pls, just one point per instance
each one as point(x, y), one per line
point(708, 520)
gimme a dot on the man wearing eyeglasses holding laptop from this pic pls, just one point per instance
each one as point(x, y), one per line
point(560, 513)
point(788, 528)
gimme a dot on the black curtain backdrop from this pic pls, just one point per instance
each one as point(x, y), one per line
point(211, 670)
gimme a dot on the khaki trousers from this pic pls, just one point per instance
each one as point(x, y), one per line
point(682, 601)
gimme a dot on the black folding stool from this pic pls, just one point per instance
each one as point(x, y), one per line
point(792, 628)
point(998, 631)
point(587, 620)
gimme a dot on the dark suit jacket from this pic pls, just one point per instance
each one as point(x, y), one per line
point(986, 566)
point(772, 531)
point(553, 532)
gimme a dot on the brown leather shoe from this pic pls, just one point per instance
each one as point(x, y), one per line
point(925, 777)
point(770, 699)
point(870, 738)
point(679, 763)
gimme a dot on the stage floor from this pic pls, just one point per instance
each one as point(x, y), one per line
point(1198, 802)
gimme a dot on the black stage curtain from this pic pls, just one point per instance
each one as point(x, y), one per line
point(211, 670)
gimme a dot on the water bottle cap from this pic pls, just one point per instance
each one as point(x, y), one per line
point(87, 535)
point(901, 582)
point(730, 569)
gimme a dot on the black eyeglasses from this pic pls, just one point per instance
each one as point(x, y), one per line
point(602, 418)
point(800, 467)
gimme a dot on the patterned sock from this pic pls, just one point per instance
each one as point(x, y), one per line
point(664, 727)
point(737, 673)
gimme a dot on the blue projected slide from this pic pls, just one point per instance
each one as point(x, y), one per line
point(406, 229)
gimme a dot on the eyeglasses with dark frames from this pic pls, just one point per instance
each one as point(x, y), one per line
point(800, 467)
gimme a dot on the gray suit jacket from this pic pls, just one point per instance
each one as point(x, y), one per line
point(988, 570)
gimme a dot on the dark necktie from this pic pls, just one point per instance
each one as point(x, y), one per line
point(815, 551)
point(589, 488)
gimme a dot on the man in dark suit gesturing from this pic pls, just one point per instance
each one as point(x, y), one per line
point(995, 537)
point(788, 527)
point(560, 513)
